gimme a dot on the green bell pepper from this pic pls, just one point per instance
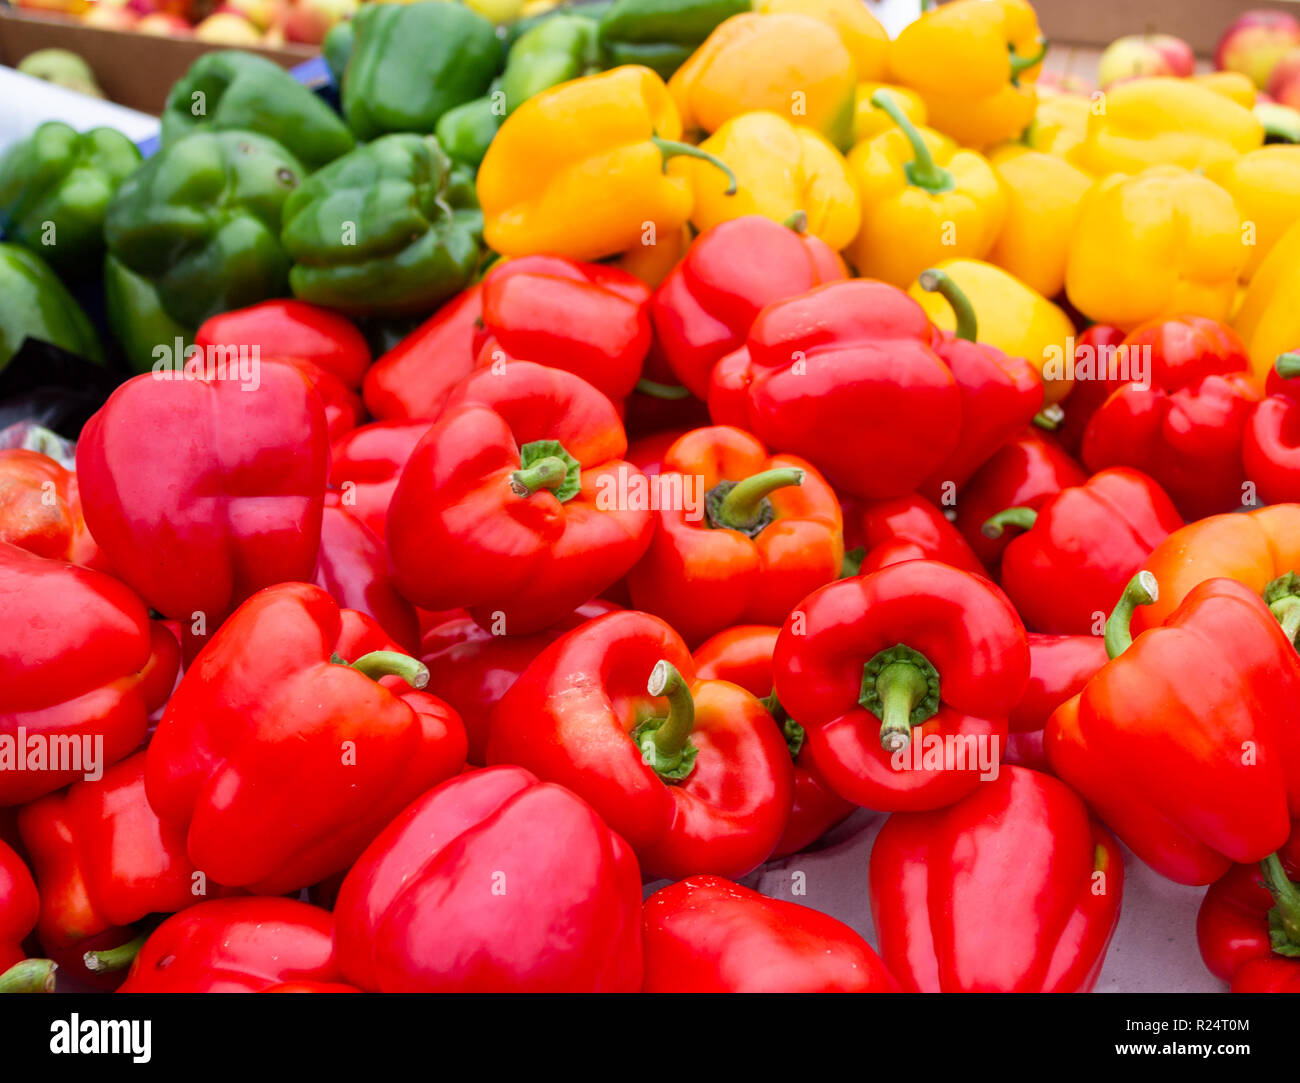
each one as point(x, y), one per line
point(54, 189)
point(337, 47)
point(661, 34)
point(387, 230)
point(593, 10)
point(466, 131)
point(230, 89)
point(136, 318)
point(411, 63)
point(552, 52)
point(201, 221)
point(35, 304)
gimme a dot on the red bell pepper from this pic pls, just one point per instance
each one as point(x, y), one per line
point(885, 532)
point(245, 945)
point(81, 668)
point(324, 346)
point(1015, 889)
point(516, 503)
point(19, 907)
point(660, 402)
point(493, 882)
point(1270, 448)
point(1185, 429)
point(704, 308)
point(103, 862)
point(296, 735)
point(903, 680)
point(743, 656)
point(365, 465)
point(353, 568)
point(588, 318)
point(40, 509)
point(999, 394)
point(1080, 547)
point(708, 935)
point(411, 381)
point(1059, 667)
point(1097, 372)
point(1028, 467)
point(202, 492)
point(1248, 926)
point(702, 783)
point(472, 669)
point(1188, 742)
point(742, 535)
point(846, 376)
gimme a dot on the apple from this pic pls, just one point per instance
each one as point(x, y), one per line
point(263, 14)
point(62, 68)
point(1145, 54)
point(228, 28)
point(1284, 87)
point(1254, 43)
point(163, 25)
point(308, 21)
point(1064, 83)
point(110, 17)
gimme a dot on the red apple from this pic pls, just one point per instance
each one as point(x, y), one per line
point(110, 17)
point(1255, 42)
point(1284, 87)
point(308, 21)
point(1144, 54)
point(228, 28)
point(164, 25)
point(263, 14)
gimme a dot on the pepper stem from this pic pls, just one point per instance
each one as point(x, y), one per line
point(671, 148)
point(1284, 918)
point(1288, 366)
point(941, 282)
point(548, 473)
point(379, 664)
point(1142, 589)
point(1024, 518)
point(922, 171)
point(1050, 417)
point(742, 506)
point(118, 958)
point(1282, 596)
point(900, 687)
point(29, 976)
point(665, 742)
point(797, 222)
point(1021, 64)
point(661, 391)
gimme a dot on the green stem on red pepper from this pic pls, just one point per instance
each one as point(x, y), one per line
point(923, 171)
point(671, 148)
point(1050, 418)
point(941, 282)
point(1288, 366)
point(1282, 596)
point(793, 733)
point(994, 525)
point(118, 958)
point(1284, 918)
point(1142, 589)
point(379, 664)
point(900, 687)
point(29, 976)
point(665, 742)
point(656, 390)
point(797, 222)
point(545, 464)
point(744, 505)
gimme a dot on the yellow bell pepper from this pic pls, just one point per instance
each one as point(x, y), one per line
point(1269, 318)
point(579, 170)
point(868, 121)
point(1231, 84)
point(866, 40)
point(923, 200)
point(1016, 319)
point(1266, 186)
point(1043, 197)
point(781, 169)
point(652, 260)
point(974, 62)
point(1164, 243)
point(1060, 123)
point(1166, 121)
point(793, 65)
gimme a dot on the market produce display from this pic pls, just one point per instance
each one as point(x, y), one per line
point(584, 453)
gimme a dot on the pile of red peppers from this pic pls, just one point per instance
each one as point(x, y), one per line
point(502, 660)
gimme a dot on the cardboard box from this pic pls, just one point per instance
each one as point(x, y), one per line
point(135, 70)
point(1198, 22)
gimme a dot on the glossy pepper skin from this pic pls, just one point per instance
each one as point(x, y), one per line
point(1247, 928)
point(472, 669)
point(563, 47)
point(382, 231)
point(708, 935)
point(743, 656)
point(1185, 744)
point(974, 64)
point(290, 669)
point(884, 532)
point(365, 465)
point(201, 221)
point(244, 945)
point(1268, 319)
point(587, 318)
point(845, 376)
point(79, 660)
point(661, 34)
point(701, 784)
point(409, 64)
point(324, 346)
point(34, 303)
point(1270, 449)
point(19, 906)
point(1024, 847)
point(137, 321)
point(103, 861)
point(191, 555)
point(1059, 667)
point(703, 310)
point(883, 670)
point(65, 178)
point(233, 89)
point(1097, 348)
point(1185, 428)
point(493, 882)
point(1265, 184)
point(40, 509)
point(1080, 547)
point(762, 532)
point(517, 487)
point(413, 378)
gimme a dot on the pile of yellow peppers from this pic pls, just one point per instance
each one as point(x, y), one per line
point(1048, 208)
